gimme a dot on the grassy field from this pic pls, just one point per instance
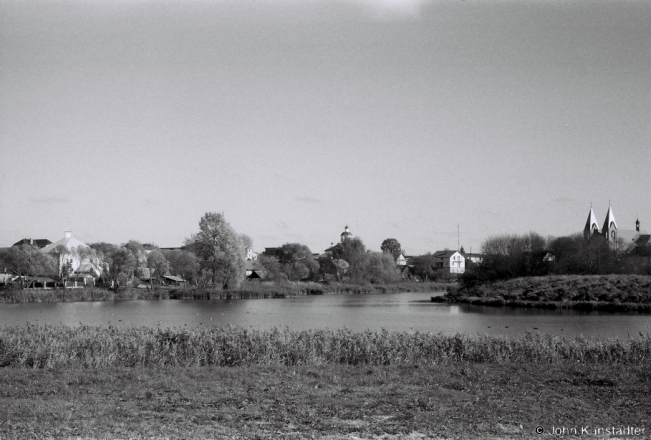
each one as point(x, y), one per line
point(459, 400)
point(614, 293)
point(247, 290)
point(92, 382)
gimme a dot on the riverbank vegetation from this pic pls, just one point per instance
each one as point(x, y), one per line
point(558, 273)
point(247, 290)
point(612, 293)
point(65, 382)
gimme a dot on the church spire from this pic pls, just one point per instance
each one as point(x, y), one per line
point(591, 226)
point(610, 225)
point(610, 220)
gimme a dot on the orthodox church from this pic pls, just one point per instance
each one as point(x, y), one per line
point(625, 239)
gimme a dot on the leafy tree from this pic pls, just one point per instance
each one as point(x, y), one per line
point(424, 266)
point(246, 242)
point(391, 246)
point(327, 266)
point(138, 251)
point(183, 263)
point(220, 250)
point(274, 270)
point(380, 268)
point(27, 261)
point(157, 265)
point(353, 251)
point(119, 264)
point(103, 249)
point(296, 261)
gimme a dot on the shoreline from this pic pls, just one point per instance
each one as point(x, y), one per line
point(249, 291)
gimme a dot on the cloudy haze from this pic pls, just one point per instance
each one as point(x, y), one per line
point(131, 119)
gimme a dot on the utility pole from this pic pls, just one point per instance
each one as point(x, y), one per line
point(458, 238)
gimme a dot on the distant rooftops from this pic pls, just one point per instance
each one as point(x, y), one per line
point(39, 242)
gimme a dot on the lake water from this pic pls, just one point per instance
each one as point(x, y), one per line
point(394, 312)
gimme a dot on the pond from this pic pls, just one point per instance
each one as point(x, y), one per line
point(408, 312)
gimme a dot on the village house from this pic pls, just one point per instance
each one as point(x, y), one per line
point(69, 251)
point(449, 261)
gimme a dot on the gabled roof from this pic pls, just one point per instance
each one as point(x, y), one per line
point(445, 254)
point(592, 221)
point(610, 218)
point(39, 242)
point(69, 242)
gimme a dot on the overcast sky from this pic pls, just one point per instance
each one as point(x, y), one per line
point(130, 119)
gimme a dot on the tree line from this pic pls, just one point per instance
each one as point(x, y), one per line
point(512, 256)
point(214, 256)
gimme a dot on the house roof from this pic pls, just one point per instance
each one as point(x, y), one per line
point(39, 242)
point(42, 279)
point(444, 254)
point(69, 242)
point(173, 278)
point(592, 221)
point(610, 218)
point(631, 239)
point(262, 274)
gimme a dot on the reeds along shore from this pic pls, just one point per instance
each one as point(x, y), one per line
point(248, 290)
point(37, 346)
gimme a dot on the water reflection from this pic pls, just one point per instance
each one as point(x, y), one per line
point(394, 312)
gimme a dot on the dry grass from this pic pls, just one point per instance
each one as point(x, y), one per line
point(37, 346)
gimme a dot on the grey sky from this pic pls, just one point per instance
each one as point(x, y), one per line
point(131, 119)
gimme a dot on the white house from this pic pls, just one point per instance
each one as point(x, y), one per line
point(450, 261)
point(401, 260)
point(81, 266)
point(250, 255)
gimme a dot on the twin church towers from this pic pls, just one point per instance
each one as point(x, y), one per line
point(609, 229)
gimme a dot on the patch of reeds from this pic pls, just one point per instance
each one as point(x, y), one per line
point(38, 346)
point(90, 293)
point(300, 288)
point(248, 290)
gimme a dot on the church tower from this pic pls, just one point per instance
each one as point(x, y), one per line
point(610, 227)
point(591, 226)
point(346, 234)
